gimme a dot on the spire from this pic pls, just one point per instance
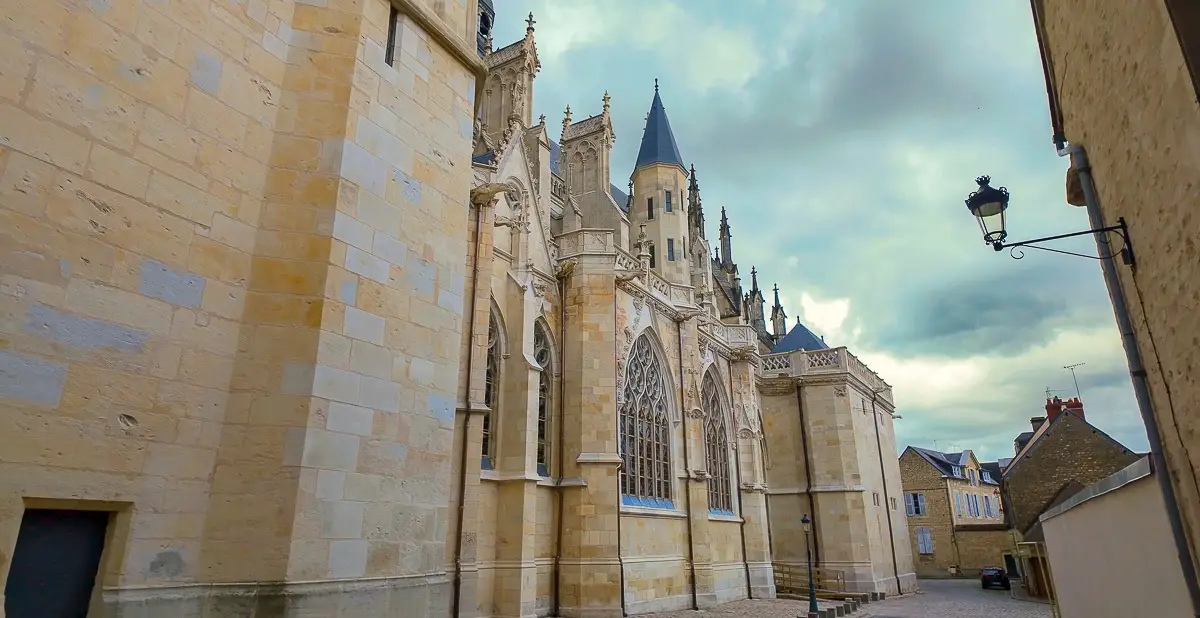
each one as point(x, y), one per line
point(778, 317)
point(753, 280)
point(695, 210)
point(658, 142)
point(726, 240)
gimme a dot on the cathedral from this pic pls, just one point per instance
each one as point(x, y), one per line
point(644, 440)
point(303, 313)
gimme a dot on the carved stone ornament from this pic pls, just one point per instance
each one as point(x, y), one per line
point(564, 268)
point(746, 433)
point(638, 304)
point(840, 391)
point(703, 347)
point(696, 413)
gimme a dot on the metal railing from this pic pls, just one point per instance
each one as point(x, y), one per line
point(793, 579)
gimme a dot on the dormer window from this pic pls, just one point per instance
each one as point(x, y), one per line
point(956, 471)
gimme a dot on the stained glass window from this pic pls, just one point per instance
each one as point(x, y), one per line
point(716, 442)
point(541, 353)
point(644, 425)
point(491, 392)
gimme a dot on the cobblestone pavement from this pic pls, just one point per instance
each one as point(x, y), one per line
point(956, 598)
point(937, 599)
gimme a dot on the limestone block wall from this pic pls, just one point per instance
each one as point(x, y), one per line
point(1145, 158)
point(214, 324)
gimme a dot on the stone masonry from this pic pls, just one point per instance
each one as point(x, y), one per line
point(231, 287)
point(1145, 158)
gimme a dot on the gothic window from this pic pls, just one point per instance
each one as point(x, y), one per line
point(716, 446)
point(541, 353)
point(644, 431)
point(491, 392)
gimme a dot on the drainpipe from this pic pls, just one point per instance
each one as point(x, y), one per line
point(687, 483)
point(559, 430)
point(479, 199)
point(1137, 371)
point(737, 470)
point(887, 503)
point(808, 478)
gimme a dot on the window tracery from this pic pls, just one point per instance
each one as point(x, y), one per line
point(542, 355)
point(491, 391)
point(716, 443)
point(644, 430)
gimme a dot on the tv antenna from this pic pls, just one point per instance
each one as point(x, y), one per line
point(1071, 368)
point(1050, 391)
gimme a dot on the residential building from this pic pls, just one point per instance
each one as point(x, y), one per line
point(1123, 104)
point(1065, 454)
point(956, 520)
point(303, 314)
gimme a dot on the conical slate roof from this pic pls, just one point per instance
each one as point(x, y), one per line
point(658, 142)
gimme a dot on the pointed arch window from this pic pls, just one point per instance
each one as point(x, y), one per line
point(542, 354)
point(491, 393)
point(716, 443)
point(645, 430)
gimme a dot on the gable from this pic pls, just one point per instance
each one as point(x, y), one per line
point(1071, 449)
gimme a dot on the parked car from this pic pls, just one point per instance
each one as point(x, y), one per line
point(994, 576)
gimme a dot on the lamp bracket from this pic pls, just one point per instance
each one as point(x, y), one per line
point(1124, 249)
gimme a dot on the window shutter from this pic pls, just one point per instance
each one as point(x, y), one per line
point(921, 503)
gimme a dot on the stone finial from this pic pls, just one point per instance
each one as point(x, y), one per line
point(487, 44)
point(607, 99)
point(529, 23)
point(542, 120)
point(566, 119)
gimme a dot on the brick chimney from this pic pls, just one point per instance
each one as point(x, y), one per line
point(1075, 405)
point(1054, 407)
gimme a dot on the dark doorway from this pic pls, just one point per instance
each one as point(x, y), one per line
point(1010, 565)
point(54, 566)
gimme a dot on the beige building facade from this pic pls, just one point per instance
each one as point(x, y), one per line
point(955, 513)
point(1143, 157)
point(1135, 569)
point(302, 314)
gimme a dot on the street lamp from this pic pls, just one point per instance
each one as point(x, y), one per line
point(812, 588)
point(989, 205)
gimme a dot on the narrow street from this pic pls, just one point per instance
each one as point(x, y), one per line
point(937, 599)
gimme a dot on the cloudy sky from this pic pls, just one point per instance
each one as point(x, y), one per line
point(842, 137)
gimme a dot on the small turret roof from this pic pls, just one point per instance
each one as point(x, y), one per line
point(658, 142)
point(799, 338)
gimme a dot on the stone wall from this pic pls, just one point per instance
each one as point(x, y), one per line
point(1145, 159)
point(922, 478)
point(850, 531)
point(214, 323)
point(1070, 450)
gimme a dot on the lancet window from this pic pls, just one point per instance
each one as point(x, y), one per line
point(645, 430)
point(716, 442)
point(491, 392)
point(542, 354)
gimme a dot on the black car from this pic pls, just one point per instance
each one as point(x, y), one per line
point(994, 576)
